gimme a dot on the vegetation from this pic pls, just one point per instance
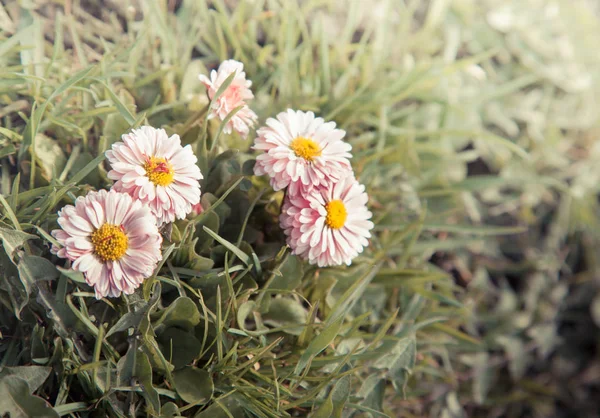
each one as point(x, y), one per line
point(473, 126)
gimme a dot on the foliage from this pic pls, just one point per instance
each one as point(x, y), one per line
point(472, 126)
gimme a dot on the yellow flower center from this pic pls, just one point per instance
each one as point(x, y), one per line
point(110, 242)
point(159, 171)
point(336, 214)
point(305, 148)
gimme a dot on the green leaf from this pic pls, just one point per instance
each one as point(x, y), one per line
point(74, 275)
point(169, 410)
point(129, 320)
point(180, 347)
point(193, 385)
point(518, 357)
point(284, 311)
point(7, 150)
point(33, 125)
point(33, 268)
point(70, 408)
point(292, 272)
point(400, 361)
point(33, 375)
point(243, 312)
point(182, 313)
point(144, 375)
point(319, 344)
point(114, 126)
point(324, 411)
point(224, 407)
point(482, 377)
point(224, 123)
point(123, 110)
point(245, 258)
point(93, 177)
point(13, 136)
point(13, 239)
point(190, 84)
point(50, 156)
point(346, 302)
point(372, 391)
point(339, 396)
point(89, 167)
point(16, 400)
point(135, 367)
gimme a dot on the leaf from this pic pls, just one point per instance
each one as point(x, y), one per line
point(324, 411)
point(93, 177)
point(400, 360)
point(13, 239)
point(224, 407)
point(33, 268)
point(372, 391)
point(319, 344)
point(114, 126)
point(244, 311)
point(13, 136)
point(7, 150)
point(190, 84)
point(182, 313)
point(33, 375)
point(169, 410)
point(292, 271)
point(180, 347)
point(135, 366)
point(345, 303)
point(74, 275)
point(70, 408)
point(39, 352)
point(121, 107)
point(245, 258)
point(224, 123)
point(50, 156)
point(482, 377)
point(34, 121)
point(89, 167)
point(193, 385)
point(284, 311)
point(129, 320)
point(17, 401)
point(339, 396)
point(144, 376)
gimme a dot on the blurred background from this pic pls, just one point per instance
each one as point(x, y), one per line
point(475, 126)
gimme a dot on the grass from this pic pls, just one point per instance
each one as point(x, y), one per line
point(473, 128)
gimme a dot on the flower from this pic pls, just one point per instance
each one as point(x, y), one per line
point(111, 238)
point(328, 225)
point(197, 209)
point(301, 151)
point(157, 170)
point(236, 95)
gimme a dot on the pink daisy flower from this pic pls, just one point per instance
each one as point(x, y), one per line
point(156, 169)
point(237, 94)
point(110, 238)
point(328, 225)
point(197, 209)
point(301, 151)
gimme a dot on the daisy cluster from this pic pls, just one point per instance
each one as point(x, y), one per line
point(324, 213)
point(113, 236)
